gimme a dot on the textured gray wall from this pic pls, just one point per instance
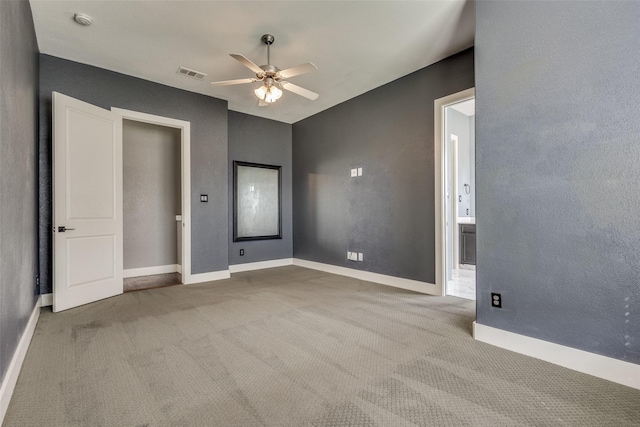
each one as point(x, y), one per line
point(18, 174)
point(557, 170)
point(208, 117)
point(388, 213)
point(258, 140)
point(151, 195)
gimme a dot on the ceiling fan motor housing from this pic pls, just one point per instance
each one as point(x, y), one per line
point(269, 71)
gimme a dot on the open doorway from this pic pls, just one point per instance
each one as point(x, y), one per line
point(155, 201)
point(454, 153)
point(459, 152)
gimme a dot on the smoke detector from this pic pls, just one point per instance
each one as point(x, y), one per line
point(83, 19)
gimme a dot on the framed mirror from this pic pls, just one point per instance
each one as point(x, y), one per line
point(256, 201)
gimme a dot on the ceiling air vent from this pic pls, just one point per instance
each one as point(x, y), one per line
point(191, 73)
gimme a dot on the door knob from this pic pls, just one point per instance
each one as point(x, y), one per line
point(62, 229)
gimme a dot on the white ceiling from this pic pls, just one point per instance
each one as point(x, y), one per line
point(468, 108)
point(357, 45)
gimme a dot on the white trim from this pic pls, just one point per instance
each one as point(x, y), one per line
point(396, 282)
point(11, 376)
point(178, 268)
point(599, 366)
point(207, 277)
point(455, 255)
point(250, 266)
point(149, 271)
point(46, 300)
point(440, 181)
point(185, 128)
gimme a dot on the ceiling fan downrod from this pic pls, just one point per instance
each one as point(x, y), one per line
point(268, 39)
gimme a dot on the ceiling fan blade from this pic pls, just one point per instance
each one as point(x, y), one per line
point(247, 63)
point(234, 82)
point(299, 90)
point(262, 103)
point(297, 70)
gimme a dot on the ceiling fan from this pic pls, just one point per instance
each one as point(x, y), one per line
point(272, 77)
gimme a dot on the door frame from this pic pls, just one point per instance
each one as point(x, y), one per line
point(185, 172)
point(455, 204)
point(439, 139)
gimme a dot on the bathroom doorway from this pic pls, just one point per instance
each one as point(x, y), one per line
point(455, 198)
point(460, 199)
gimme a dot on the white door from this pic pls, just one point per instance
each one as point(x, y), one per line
point(87, 203)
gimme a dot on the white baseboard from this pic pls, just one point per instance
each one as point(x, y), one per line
point(396, 282)
point(250, 266)
point(599, 366)
point(148, 271)
point(207, 277)
point(46, 300)
point(11, 376)
point(178, 268)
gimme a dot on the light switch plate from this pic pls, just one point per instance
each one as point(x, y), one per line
point(359, 256)
point(359, 171)
point(204, 197)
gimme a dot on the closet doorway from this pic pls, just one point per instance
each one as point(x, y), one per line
point(156, 201)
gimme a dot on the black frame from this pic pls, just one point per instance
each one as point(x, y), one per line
point(237, 163)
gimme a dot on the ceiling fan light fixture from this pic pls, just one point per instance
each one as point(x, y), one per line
point(268, 94)
point(261, 92)
point(275, 93)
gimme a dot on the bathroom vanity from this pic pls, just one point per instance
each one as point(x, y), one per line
point(467, 233)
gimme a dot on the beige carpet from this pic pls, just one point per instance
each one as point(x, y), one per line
point(293, 347)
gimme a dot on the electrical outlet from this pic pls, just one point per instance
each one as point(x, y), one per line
point(496, 300)
point(204, 198)
point(354, 172)
point(38, 281)
point(241, 252)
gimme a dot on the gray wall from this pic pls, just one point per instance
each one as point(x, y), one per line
point(208, 117)
point(258, 140)
point(151, 195)
point(557, 170)
point(18, 174)
point(388, 213)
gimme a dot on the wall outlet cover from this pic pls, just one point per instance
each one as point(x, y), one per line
point(354, 172)
point(496, 300)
